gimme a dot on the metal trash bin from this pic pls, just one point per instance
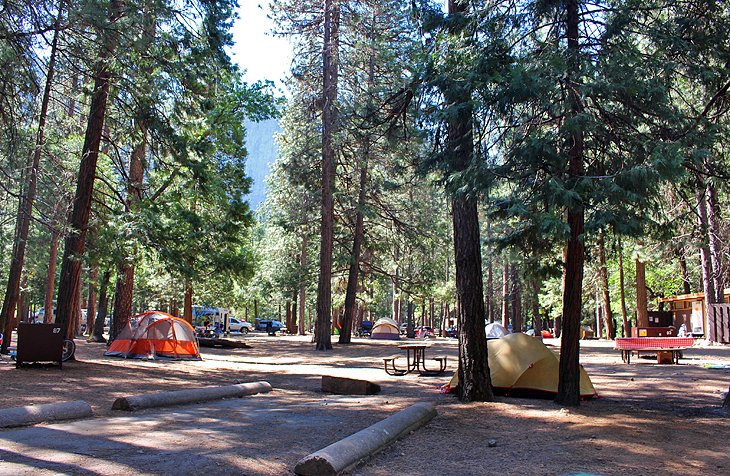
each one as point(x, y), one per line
point(39, 343)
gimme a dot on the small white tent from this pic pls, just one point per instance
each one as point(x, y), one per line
point(495, 330)
point(385, 328)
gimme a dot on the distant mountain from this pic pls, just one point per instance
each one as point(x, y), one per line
point(262, 149)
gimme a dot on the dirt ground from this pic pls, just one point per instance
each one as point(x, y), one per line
point(650, 419)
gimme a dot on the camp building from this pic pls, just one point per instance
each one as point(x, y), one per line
point(689, 309)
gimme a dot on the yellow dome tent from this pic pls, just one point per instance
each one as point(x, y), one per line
point(522, 365)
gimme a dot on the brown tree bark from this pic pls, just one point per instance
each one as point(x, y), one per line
point(706, 255)
point(77, 313)
point(536, 318)
point(27, 197)
point(135, 182)
point(505, 294)
point(603, 282)
point(188, 302)
point(569, 379)
point(622, 290)
point(51, 278)
point(599, 312)
point(642, 304)
point(76, 240)
point(302, 285)
point(98, 333)
point(352, 277)
point(322, 338)
point(91, 301)
point(288, 321)
point(516, 300)
point(489, 292)
point(22, 314)
point(474, 378)
point(713, 240)
point(686, 289)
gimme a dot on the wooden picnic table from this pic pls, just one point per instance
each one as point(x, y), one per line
point(415, 361)
point(675, 345)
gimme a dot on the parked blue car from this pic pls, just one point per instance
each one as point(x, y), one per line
point(272, 327)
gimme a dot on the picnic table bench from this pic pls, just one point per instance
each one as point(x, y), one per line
point(415, 361)
point(673, 345)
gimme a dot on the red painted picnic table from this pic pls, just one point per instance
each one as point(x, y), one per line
point(675, 345)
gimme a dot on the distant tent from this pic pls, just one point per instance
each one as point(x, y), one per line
point(521, 365)
point(495, 330)
point(156, 335)
point(385, 328)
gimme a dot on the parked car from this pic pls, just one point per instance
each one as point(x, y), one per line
point(236, 325)
point(452, 332)
point(272, 327)
point(41, 315)
point(404, 328)
point(424, 331)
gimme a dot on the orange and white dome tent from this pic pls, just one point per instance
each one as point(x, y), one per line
point(157, 335)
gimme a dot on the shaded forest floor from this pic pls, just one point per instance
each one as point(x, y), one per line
point(649, 419)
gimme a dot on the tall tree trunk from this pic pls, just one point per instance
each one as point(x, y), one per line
point(27, 197)
point(603, 282)
point(505, 294)
point(706, 256)
point(395, 281)
point(515, 300)
point(352, 277)
point(77, 313)
point(122, 309)
point(474, 379)
point(22, 314)
point(188, 301)
point(98, 333)
point(322, 338)
point(447, 274)
point(622, 287)
point(536, 319)
point(713, 230)
point(686, 289)
point(569, 380)
point(76, 239)
point(350, 294)
point(489, 294)
point(642, 302)
point(288, 321)
point(302, 285)
point(599, 312)
point(134, 186)
point(51, 278)
point(91, 302)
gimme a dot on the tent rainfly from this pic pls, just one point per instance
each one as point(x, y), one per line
point(156, 336)
point(521, 365)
